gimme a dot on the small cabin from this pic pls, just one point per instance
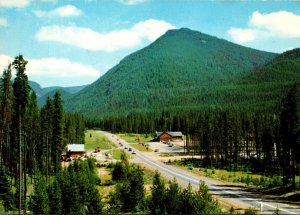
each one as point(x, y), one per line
point(168, 136)
point(74, 151)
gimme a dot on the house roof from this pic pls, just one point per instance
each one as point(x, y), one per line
point(75, 147)
point(171, 133)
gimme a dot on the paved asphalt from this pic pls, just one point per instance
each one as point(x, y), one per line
point(232, 195)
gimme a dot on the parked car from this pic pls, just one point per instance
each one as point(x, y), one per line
point(130, 149)
point(133, 152)
point(125, 147)
point(156, 150)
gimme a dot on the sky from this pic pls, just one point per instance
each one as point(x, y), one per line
point(74, 42)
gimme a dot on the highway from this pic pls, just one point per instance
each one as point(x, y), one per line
point(231, 195)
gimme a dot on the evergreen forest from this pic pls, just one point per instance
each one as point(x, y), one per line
point(32, 139)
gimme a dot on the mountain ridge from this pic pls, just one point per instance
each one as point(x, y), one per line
point(44, 92)
point(179, 63)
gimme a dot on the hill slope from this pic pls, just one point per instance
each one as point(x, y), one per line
point(172, 71)
point(40, 91)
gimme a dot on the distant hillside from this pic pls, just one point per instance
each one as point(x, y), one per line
point(40, 91)
point(37, 88)
point(71, 90)
point(179, 69)
point(43, 93)
point(267, 86)
point(64, 96)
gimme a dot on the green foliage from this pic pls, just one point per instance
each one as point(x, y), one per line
point(6, 194)
point(250, 211)
point(174, 200)
point(276, 212)
point(78, 187)
point(55, 197)
point(120, 171)
point(290, 132)
point(158, 199)
point(57, 132)
point(39, 203)
point(129, 194)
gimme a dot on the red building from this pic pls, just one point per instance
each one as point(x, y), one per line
point(168, 136)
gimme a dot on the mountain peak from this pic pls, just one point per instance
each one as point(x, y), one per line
point(170, 72)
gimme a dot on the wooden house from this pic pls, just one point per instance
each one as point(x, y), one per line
point(73, 151)
point(168, 136)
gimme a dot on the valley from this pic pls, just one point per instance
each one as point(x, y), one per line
point(234, 108)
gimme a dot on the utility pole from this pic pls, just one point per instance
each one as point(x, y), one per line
point(20, 162)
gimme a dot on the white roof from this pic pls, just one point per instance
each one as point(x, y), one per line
point(75, 147)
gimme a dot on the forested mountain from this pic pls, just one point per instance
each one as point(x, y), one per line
point(37, 88)
point(44, 93)
point(64, 96)
point(181, 68)
point(40, 91)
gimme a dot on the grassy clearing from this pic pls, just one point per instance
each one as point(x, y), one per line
point(241, 177)
point(148, 177)
point(116, 153)
point(135, 138)
point(140, 147)
point(95, 139)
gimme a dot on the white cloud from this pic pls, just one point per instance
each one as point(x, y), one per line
point(242, 35)
point(131, 2)
point(64, 11)
point(56, 71)
point(85, 38)
point(14, 3)
point(4, 61)
point(281, 24)
point(3, 22)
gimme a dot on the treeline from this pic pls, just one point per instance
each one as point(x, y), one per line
point(31, 139)
point(236, 139)
point(73, 190)
point(130, 196)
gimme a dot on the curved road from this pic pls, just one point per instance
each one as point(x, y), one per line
point(231, 195)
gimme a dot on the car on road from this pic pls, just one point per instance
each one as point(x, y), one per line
point(133, 152)
point(125, 147)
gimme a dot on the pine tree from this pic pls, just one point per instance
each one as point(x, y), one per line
point(39, 203)
point(58, 125)
point(6, 113)
point(55, 198)
point(290, 133)
point(21, 92)
point(173, 198)
point(158, 195)
point(6, 194)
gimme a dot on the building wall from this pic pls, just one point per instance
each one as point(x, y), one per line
point(165, 137)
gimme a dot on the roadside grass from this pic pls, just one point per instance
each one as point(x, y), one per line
point(140, 147)
point(240, 177)
point(95, 139)
point(148, 176)
point(116, 153)
point(135, 138)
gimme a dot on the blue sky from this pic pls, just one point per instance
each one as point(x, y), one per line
point(74, 42)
